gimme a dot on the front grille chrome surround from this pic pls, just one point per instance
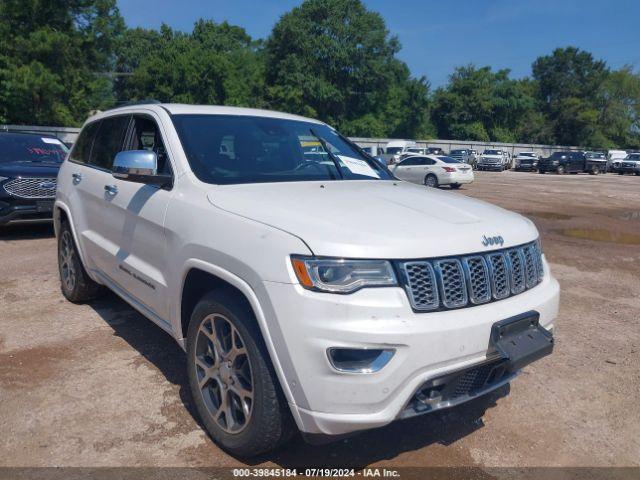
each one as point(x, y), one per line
point(468, 280)
point(37, 188)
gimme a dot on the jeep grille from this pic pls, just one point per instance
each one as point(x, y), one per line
point(447, 283)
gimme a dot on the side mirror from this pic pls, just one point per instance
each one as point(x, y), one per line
point(140, 166)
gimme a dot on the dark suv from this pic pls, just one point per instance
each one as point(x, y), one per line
point(569, 162)
point(29, 166)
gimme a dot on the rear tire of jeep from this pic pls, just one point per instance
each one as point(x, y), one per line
point(75, 283)
point(560, 170)
point(233, 384)
point(455, 186)
point(431, 181)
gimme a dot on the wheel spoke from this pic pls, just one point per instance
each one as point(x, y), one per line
point(224, 373)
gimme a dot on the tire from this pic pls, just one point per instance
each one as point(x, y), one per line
point(75, 283)
point(431, 181)
point(541, 172)
point(560, 170)
point(594, 171)
point(255, 417)
point(455, 186)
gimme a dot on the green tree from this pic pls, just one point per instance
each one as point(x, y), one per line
point(619, 108)
point(335, 60)
point(215, 64)
point(479, 104)
point(55, 59)
point(569, 84)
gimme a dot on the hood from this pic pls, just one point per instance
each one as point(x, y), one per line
point(375, 219)
point(27, 168)
point(498, 157)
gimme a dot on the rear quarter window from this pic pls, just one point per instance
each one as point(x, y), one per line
point(108, 141)
point(82, 147)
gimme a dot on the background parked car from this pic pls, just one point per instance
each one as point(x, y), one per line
point(434, 151)
point(614, 159)
point(462, 154)
point(395, 149)
point(598, 157)
point(526, 161)
point(631, 164)
point(569, 162)
point(433, 171)
point(492, 160)
point(29, 167)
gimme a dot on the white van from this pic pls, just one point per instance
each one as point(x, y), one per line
point(395, 148)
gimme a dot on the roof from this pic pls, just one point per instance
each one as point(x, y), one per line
point(184, 109)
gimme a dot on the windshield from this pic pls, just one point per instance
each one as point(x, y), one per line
point(31, 148)
point(526, 154)
point(633, 156)
point(456, 152)
point(449, 160)
point(226, 149)
point(394, 150)
point(559, 154)
point(492, 152)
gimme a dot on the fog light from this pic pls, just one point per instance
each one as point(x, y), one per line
point(359, 360)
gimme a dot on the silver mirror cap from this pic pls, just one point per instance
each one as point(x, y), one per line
point(134, 163)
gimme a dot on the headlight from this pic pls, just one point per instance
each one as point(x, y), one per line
point(337, 275)
point(2, 179)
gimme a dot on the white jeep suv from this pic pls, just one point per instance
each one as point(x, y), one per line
point(309, 291)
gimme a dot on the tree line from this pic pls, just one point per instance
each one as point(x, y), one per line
point(329, 59)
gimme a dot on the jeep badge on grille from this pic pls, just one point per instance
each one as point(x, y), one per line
point(497, 240)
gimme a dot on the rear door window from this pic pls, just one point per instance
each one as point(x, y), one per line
point(108, 141)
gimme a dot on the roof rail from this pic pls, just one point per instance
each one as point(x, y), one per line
point(150, 101)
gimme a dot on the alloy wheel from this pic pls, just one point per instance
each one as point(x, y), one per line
point(224, 373)
point(66, 255)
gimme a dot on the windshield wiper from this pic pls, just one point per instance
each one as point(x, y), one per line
point(332, 156)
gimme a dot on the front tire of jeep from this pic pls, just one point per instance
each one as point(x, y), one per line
point(75, 283)
point(232, 381)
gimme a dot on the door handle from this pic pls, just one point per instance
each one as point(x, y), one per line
point(111, 189)
point(77, 178)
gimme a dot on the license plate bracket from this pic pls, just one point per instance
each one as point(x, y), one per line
point(521, 340)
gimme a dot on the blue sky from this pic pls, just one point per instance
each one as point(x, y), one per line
point(437, 35)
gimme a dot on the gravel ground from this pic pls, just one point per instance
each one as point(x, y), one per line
point(98, 385)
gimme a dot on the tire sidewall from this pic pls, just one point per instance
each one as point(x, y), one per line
point(435, 181)
point(237, 315)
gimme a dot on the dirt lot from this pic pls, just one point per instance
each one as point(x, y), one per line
point(98, 385)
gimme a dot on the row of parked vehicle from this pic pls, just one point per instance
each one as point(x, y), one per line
point(617, 161)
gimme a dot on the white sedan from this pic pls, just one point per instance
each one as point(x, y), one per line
point(433, 170)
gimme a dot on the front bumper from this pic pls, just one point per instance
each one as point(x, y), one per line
point(490, 166)
point(427, 345)
point(526, 167)
point(16, 210)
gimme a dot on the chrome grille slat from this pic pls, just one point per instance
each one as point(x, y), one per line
point(451, 281)
point(500, 278)
point(424, 293)
point(448, 283)
point(31, 188)
point(478, 283)
point(517, 271)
